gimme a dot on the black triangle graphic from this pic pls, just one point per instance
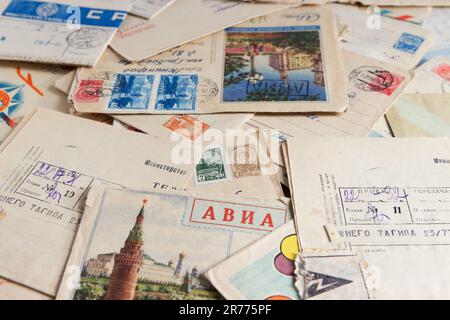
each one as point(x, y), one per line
point(320, 283)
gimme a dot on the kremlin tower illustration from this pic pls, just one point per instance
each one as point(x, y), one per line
point(127, 263)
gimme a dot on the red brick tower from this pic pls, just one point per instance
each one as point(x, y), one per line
point(122, 284)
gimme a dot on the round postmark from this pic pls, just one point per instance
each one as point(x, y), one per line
point(87, 38)
point(207, 90)
point(94, 92)
point(371, 79)
point(47, 9)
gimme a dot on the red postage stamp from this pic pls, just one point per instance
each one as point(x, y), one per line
point(187, 126)
point(443, 71)
point(88, 91)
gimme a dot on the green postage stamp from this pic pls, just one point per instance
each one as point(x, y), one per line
point(212, 166)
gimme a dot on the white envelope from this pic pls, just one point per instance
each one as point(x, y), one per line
point(47, 165)
point(59, 31)
point(385, 200)
point(384, 39)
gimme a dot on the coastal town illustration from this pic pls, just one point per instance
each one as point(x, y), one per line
point(133, 274)
point(273, 64)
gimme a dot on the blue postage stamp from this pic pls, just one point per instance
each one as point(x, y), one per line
point(409, 43)
point(131, 92)
point(177, 92)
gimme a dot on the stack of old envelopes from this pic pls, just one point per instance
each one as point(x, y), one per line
point(192, 149)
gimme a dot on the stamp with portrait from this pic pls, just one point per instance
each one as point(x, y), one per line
point(131, 92)
point(212, 166)
point(245, 161)
point(177, 93)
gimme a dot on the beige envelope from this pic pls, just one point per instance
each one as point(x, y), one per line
point(240, 166)
point(12, 291)
point(289, 61)
point(382, 38)
point(24, 86)
point(433, 77)
point(385, 200)
point(364, 2)
point(422, 111)
point(202, 134)
point(132, 39)
point(149, 8)
point(421, 115)
point(163, 242)
point(47, 166)
point(373, 86)
point(73, 32)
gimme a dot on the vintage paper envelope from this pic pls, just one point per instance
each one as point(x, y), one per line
point(433, 77)
point(439, 23)
point(271, 64)
point(265, 270)
point(399, 2)
point(373, 87)
point(46, 167)
point(59, 31)
point(162, 242)
point(13, 291)
point(384, 39)
point(421, 115)
point(241, 165)
point(381, 129)
point(24, 86)
point(381, 207)
point(416, 15)
point(149, 8)
point(132, 42)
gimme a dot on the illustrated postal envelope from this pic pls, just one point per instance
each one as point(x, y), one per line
point(25, 86)
point(384, 201)
point(289, 61)
point(59, 31)
point(382, 38)
point(47, 166)
point(137, 244)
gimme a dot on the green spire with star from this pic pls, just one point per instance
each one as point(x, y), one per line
point(136, 234)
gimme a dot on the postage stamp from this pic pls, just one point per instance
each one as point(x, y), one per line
point(274, 64)
point(409, 43)
point(373, 79)
point(87, 38)
point(187, 126)
point(442, 70)
point(245, 161)
point(89, 91)
point(177, 92)
point(131, 92)
point(212, 166)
